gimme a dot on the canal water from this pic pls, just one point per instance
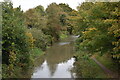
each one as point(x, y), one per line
point(58, 61)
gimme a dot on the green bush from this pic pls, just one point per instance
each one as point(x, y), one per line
point(41, 40)
point(15, 45)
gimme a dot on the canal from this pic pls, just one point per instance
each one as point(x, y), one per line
point(58, 60)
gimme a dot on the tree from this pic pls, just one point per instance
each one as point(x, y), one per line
point(98, 23)
point(15, 45)
point(35, 18)
point(53, 23)
point(68, 18)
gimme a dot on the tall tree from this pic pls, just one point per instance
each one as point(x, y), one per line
point(68, 18)
point(53, 23)
point(36, 17)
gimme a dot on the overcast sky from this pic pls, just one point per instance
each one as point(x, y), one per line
point(26, 4)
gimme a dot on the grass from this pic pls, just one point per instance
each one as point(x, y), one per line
point(107, 61)
point(87, 68)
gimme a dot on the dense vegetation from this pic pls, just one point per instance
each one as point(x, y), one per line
point(99, 30)
point(26, 35)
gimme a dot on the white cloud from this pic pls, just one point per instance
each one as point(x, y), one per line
point(27, 4)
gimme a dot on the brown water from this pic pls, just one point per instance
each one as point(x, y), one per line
point(58, 61)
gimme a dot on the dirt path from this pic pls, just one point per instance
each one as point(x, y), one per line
point(106, 70)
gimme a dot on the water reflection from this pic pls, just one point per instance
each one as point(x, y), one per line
point(62, 71)
point(58, 61)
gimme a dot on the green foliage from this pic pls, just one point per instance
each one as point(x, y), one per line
point(53, 23)
point(62, 36)
point(13, 31)
point(15, 45)
point(26, 35)
point(40, 40)
point(65, 7)
point(98, 25)
point(37, 53)
point(35, 18)
point(68, 18)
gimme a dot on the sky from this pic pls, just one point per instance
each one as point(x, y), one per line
point(27, 4)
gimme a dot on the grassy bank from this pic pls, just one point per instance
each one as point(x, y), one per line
point(108, 62)
point(85, 67)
